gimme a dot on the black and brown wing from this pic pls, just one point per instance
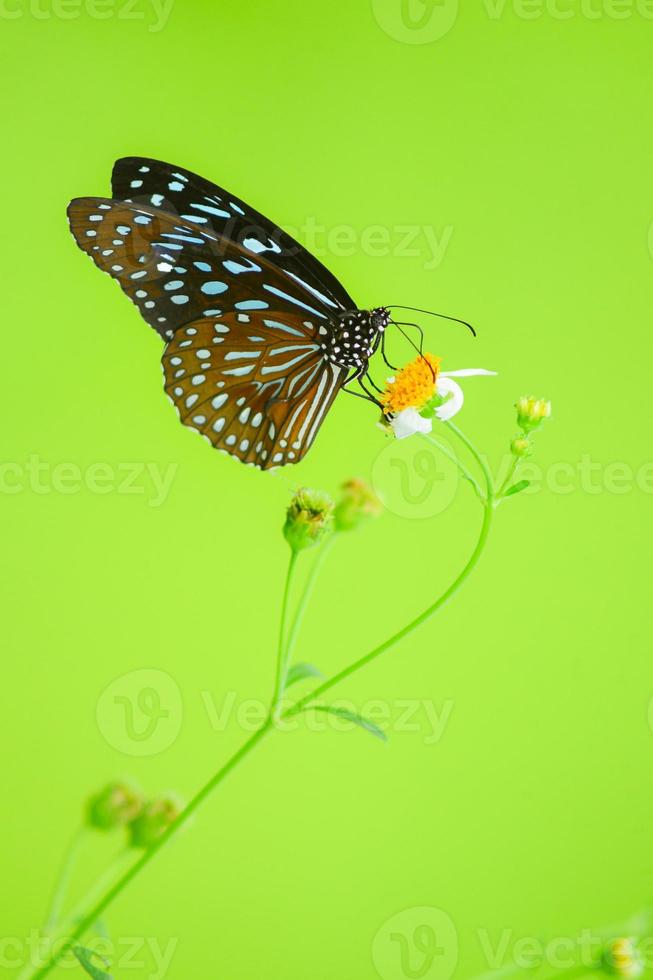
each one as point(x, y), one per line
point(176, 272)
point(256, 385)
point(207, 206)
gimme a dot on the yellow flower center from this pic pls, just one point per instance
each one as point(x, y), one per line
point(413, 386)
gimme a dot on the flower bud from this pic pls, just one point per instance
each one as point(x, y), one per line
point(622, 958)
point(521, 447)
point(531, 412)
point(153, 821)
point(358, 503)
point(117, 805)
point(308, 518)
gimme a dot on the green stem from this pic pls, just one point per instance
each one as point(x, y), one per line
point(465, 473)
point(108, 877)
point(509, 475)
point(306, 594)
point(91, 917)
point(63, 880)
point(94, 914)
point(488, 508)
point(413, 625)
point(282, 646)
point(487, 476)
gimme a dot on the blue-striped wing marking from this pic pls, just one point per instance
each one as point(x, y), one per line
point(201, 203)
point(217, 279)
point(256, 385)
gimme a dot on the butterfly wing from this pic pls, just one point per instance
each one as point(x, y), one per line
point(176, 272)
point(203, 204)
point(243, 306)
point(256, 385)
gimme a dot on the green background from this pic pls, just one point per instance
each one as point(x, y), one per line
point(526, 141)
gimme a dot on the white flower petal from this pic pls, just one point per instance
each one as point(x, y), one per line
point(454, 402)
point(408, 422)
point(467, 373)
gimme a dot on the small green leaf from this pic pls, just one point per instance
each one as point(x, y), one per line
point(86, 957)
point(364, 723)
point(299, 672)
point(517, 488)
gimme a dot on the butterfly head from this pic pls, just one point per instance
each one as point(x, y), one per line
point(379, 318)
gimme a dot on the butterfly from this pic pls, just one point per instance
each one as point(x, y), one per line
point(259, 335)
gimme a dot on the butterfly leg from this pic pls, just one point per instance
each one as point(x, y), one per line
point(372, 382)
point(366, 373)
point(358, 376)
point(391, 366)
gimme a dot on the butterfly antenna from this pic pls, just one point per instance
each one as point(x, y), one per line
point(419, 330)
point(412, 342)
point(443, 316)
